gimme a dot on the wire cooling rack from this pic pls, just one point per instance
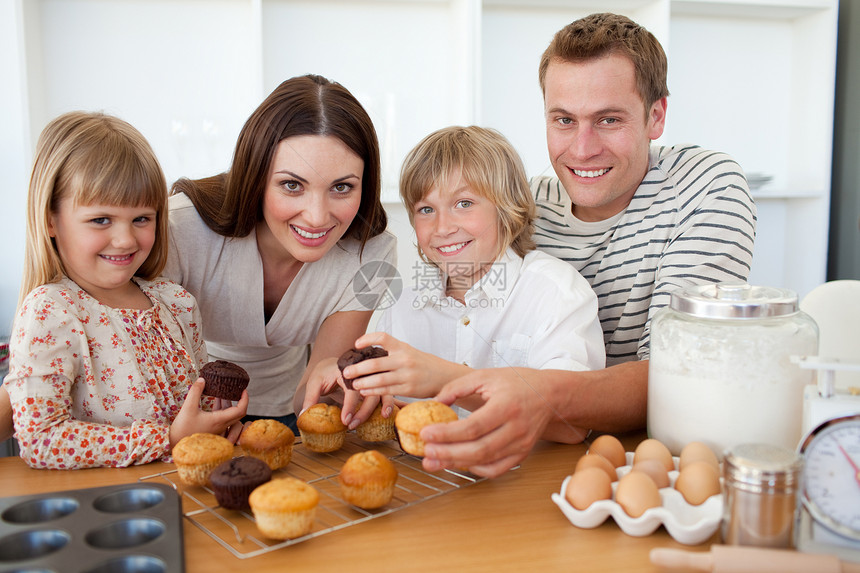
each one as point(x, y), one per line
point(237, 531)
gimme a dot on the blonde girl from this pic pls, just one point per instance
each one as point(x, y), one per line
point(103, 353)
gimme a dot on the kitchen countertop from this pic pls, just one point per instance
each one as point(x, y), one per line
point(508, 523)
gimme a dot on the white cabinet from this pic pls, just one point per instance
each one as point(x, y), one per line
point(753, 78)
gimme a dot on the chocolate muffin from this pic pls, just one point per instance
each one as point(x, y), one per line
point(234, 480)
point(354, 356)
point(224, 379)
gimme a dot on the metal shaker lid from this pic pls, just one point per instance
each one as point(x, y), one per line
point(734, 300)
point(763, 468)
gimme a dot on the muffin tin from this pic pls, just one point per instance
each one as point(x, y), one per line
point(130, 528)
point(686, 523)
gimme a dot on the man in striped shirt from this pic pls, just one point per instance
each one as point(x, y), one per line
point(637, 220)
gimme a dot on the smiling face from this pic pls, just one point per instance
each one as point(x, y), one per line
point(102, 246)
point(457, 230)
point(599, 132)
point(312, 195)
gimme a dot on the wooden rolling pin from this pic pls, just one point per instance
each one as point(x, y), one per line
point(742, 559)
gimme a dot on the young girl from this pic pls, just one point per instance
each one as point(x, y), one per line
point(487, 298)
point(103, 354)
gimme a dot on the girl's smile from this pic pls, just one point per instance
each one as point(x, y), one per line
point(103, 246)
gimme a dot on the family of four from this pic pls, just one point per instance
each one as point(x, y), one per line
point(534, 314)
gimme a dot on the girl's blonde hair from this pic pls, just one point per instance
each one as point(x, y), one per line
point(488, 163)
point(90, 158)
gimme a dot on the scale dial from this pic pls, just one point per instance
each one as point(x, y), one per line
point(831, 475)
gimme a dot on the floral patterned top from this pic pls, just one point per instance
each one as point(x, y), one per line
point(94, 386)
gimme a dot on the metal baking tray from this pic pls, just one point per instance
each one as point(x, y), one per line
point(129, 528)
point(237, 531)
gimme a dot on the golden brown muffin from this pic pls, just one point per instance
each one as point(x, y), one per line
point(367, 479)
point(321, 428)
point(268, 440)
point(414, 416)
point(376, 428)
point(197, 455)
point(284, 508)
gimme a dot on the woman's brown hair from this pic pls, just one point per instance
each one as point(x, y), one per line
point(231, 203)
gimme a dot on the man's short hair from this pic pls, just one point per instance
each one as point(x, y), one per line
point(599, 35)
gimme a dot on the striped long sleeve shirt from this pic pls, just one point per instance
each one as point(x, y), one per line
point(692, 221)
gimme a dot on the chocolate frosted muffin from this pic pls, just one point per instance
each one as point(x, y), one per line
point(234, 480)
point(354, 356)
point(224, 379)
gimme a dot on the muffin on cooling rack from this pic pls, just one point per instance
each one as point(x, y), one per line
point(284, 508)
point(376, 428)
point(234, 480)
point(268, 440)
point(321, 428)
point(414, 416)
point(367, 480)
point(197, 455)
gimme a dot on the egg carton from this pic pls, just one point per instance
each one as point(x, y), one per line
point(128, 528)
point(686, 523)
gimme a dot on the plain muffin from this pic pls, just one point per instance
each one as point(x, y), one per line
point(268, 440)
point(321, 428)
point(414, 416)
point(197, 455)
point(284, 508)
point(367, 480)
point(377, 428)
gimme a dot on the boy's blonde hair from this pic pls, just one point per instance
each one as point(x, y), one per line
point(90, 158)
point(488, 163)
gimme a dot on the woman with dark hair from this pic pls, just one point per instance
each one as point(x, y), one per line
point(271, 248)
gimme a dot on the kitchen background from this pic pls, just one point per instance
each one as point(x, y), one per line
point(762, 80)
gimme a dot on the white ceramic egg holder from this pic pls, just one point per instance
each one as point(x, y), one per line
point(686, 523)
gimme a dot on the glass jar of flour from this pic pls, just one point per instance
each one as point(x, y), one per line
point(720, 370)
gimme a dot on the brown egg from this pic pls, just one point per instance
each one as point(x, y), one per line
point(697, 482)
point(695, 452)
point(636, 493)
point(652, 449)
point(655, 470)
point(610, 448)
point(587, 486)
point(596, 461)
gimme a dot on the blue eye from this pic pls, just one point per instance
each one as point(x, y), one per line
point(464, 203)
point(100, 220)
point(425, 210)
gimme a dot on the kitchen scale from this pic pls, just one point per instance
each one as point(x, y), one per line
point(829, 512)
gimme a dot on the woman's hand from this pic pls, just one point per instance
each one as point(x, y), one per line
point(406, 371)
point(224, 419)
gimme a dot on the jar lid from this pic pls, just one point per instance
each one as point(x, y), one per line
point(734, 300)
point(763, 465)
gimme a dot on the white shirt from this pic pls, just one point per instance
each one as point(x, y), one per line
point(534, 312)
